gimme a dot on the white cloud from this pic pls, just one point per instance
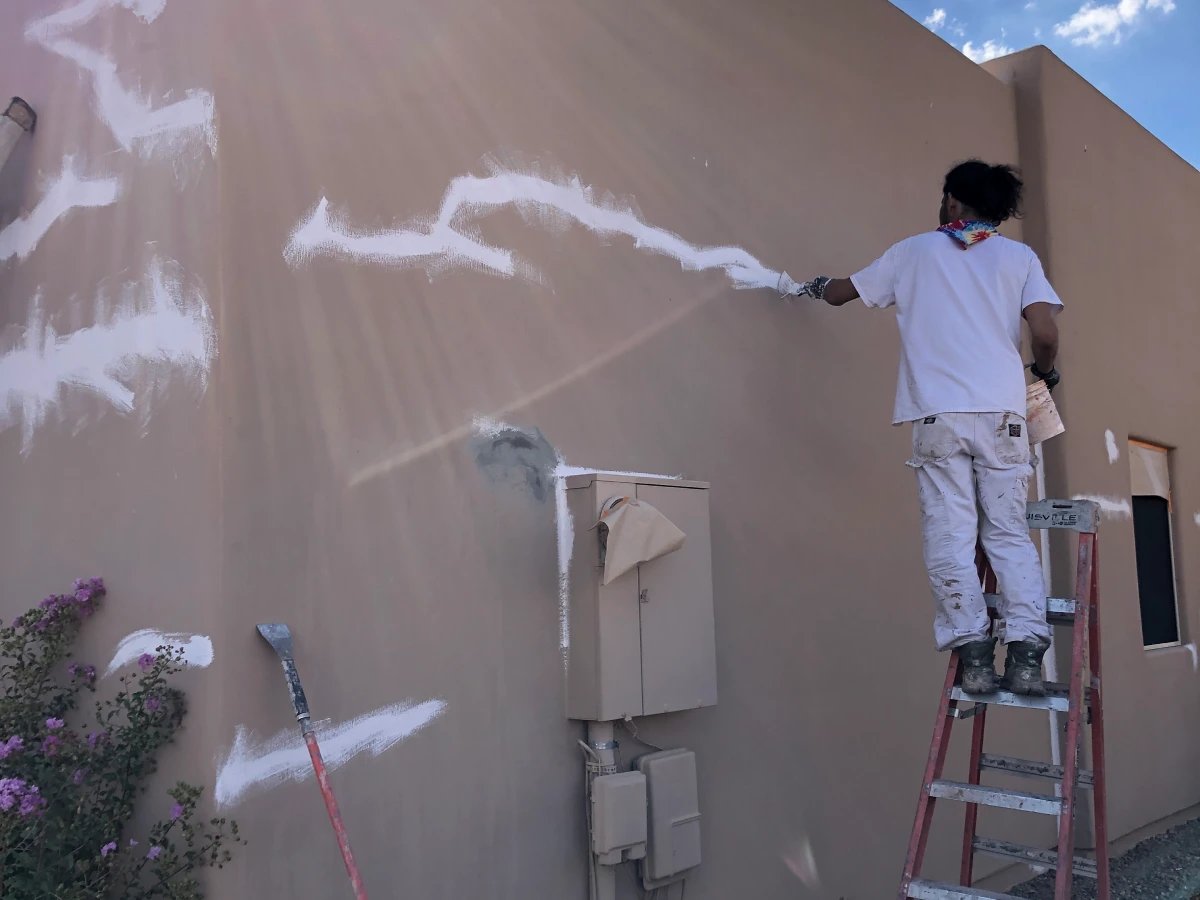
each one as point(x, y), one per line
point(1031, 5)
point(989, 50)
point(1095, 24)
point(939, 20)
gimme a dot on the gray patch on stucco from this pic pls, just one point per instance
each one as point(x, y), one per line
point(520, 457)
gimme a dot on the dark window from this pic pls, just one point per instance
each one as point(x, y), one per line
point(1155, 570)
point(1150, 487)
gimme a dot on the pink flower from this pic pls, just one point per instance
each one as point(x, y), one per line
point(78, 776)
point(110, 847)
point(96, 738)
point(54, 724)
point(176, 811)
point(51, 744)
point(132, 842)
point(146, 661)
point(154, 853)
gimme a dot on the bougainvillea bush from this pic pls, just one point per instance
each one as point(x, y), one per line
point(70, 778)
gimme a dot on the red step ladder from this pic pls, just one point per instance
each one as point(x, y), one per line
point(1079, 699)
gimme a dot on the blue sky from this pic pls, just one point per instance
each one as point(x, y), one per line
point(1144, 54)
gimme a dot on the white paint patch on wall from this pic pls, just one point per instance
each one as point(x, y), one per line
point(45, 28)
point(1114, 507)
point(253, 765)
point(1110, 444)
point(197, 648)
point(443, 243)
point(137, 126)
point(1196, 518)
point(159, 328)
point(66, 192)
point(564, 526)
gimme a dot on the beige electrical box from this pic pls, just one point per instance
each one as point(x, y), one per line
point(644, 643)
point(674, 838)
point(619, 817)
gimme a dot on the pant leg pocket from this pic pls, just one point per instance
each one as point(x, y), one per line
point(933, 440)
point(1012, 440)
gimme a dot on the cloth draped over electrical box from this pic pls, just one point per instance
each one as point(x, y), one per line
point(634, 532)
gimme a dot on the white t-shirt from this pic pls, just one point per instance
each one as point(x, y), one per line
point(959, 313)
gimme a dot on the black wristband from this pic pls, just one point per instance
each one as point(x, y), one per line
point(1051, 378)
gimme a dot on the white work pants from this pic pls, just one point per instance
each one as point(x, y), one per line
point(973, 479)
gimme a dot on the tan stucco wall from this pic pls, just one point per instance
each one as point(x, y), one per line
point(1119, 208)
point(811, 134)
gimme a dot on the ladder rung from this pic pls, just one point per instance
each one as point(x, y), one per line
point(1057, 698)
point(1033, 856)
point(1031, 768)
point(997, 797)
point(1058, 609)
point(932, 890)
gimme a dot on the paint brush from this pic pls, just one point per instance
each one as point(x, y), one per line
point(279, 636)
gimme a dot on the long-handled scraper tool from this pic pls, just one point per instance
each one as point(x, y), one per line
point(280, 639)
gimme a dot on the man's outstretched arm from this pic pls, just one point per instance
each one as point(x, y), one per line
point(834, 291)
point(840, 291)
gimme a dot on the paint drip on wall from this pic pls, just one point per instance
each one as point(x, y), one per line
point(1110, 445)
point(253, 765)
point(66, 192)
point(549, 467)
point(173, 129)
point(197, 648)
point(449, 240)
point(160, 328)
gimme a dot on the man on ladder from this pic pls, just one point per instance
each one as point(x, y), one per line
point(960, 294)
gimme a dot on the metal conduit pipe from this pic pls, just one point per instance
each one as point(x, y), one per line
point(601, 749)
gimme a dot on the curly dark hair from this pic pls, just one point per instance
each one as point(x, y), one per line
point(992, 191)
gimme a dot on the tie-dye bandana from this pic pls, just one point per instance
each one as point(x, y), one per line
point(969, 231)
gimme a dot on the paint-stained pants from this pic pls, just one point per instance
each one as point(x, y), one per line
point(973, 479)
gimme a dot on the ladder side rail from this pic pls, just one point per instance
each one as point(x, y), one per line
point(1066, 824)
point(933, 771)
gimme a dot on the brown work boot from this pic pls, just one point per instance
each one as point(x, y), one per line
point(979, 667)
point(1023, 668)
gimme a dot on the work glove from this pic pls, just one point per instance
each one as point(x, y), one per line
point(1052, 378)
point(814, 288)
